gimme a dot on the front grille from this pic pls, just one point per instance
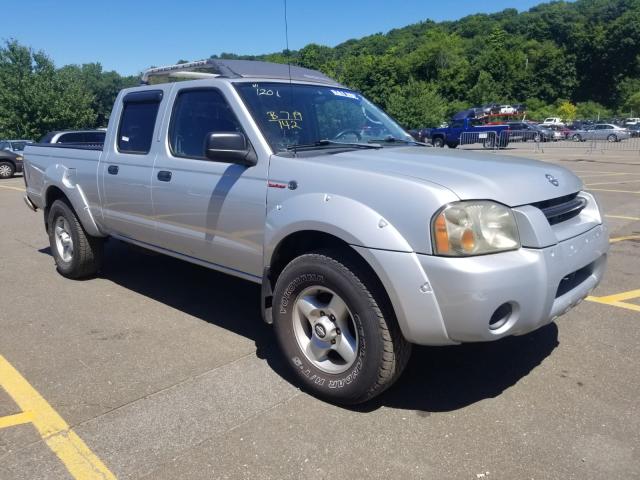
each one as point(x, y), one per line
point(561, 209)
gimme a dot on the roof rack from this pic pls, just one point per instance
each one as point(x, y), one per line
point(214, 67)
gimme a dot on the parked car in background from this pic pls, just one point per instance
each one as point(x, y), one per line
point(634, 130)
point(632, 121)
point(14, 145)
point(10, 163)
point(490, 108)
point(76, 137)
point(559, 132)
point(601, 131)
point(507, 109)
point(523, 131)
point(552, 121)
point(520, 107)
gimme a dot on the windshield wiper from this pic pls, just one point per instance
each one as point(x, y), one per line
point(391, 139)
point(330, 144)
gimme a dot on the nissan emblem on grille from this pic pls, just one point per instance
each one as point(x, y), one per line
point(552, 180)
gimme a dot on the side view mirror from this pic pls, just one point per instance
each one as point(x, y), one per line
point(232, 147)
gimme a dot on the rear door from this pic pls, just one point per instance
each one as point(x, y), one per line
point(212, 211)
point(126, 171)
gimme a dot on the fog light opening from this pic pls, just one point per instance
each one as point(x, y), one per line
point(501, 316)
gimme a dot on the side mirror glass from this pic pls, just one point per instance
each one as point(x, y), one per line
point(231, 147)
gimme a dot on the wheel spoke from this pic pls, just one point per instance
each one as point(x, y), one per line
point(310, 308)
point(338, 307)
point(317, 350)
point(346, 347)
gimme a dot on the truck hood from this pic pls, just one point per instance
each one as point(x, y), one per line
point(512, 181)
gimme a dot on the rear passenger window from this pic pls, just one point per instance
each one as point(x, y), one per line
point(137, 122)
point(196, 114)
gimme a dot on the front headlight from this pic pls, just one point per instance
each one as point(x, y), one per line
point(19, 157)
point(474, 228)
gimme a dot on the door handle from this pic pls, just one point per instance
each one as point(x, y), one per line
point(164, 176)
point(113, 169)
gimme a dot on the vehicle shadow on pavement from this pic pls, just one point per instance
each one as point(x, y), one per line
point(442, 379)
point(437, 379)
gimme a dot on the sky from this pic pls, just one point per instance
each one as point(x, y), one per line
point(129, 36)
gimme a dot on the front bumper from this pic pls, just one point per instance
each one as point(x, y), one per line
point(440, 301)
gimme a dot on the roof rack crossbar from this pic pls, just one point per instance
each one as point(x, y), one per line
point(207, 68)
point(224, 68)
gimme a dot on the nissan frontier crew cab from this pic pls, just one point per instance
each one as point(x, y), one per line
point(364, 241)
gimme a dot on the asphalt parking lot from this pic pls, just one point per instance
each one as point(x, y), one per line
point(159, 369)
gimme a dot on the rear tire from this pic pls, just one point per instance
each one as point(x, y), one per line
point(576, 138)
point(7, 169)
point(452, 144)
point(76, 253)
point(320, 296)
point(612, 138)
point(438, 142)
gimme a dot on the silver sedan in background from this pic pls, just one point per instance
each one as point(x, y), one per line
point(601, 131)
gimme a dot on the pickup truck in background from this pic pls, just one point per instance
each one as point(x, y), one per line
point(469, 130)
point(363, 240)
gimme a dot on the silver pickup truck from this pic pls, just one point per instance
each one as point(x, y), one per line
point(364, 241)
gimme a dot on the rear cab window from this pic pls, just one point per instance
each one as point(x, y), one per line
point(137, 121)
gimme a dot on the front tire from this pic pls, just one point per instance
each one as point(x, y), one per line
point(76, 253)
point(336, 330)
point(7, 170)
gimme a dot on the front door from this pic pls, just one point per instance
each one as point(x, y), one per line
point(211, 211)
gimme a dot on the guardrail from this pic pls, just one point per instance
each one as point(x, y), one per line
point(591, 142)
point(487, 139)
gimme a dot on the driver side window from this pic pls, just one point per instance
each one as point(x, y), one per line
point(196, 114)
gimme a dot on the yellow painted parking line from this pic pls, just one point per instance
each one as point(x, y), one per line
point(617, 191)
point(81, 462)
point(17, 419)
point(611, 174)
point(19, 189)
point(617, 300)
point(623, 217)
point(620, 239)
point(598, 171)
point(621, 182)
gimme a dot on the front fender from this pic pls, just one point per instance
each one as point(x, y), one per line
point(64, 178)
point(351, 221)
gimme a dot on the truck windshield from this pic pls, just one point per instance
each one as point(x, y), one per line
point(294, 114)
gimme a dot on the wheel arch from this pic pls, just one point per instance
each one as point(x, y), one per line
point(76, 200)
point(302, 242)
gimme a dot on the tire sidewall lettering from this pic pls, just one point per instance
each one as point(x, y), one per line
point(285, 300)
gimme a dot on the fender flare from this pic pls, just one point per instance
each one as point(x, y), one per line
point(64, 178)
point(351, 221)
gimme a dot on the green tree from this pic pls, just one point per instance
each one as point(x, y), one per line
point(567, 111)
point(416, 104)
point(36, 98)
point(591, 111)
point(633, 104)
